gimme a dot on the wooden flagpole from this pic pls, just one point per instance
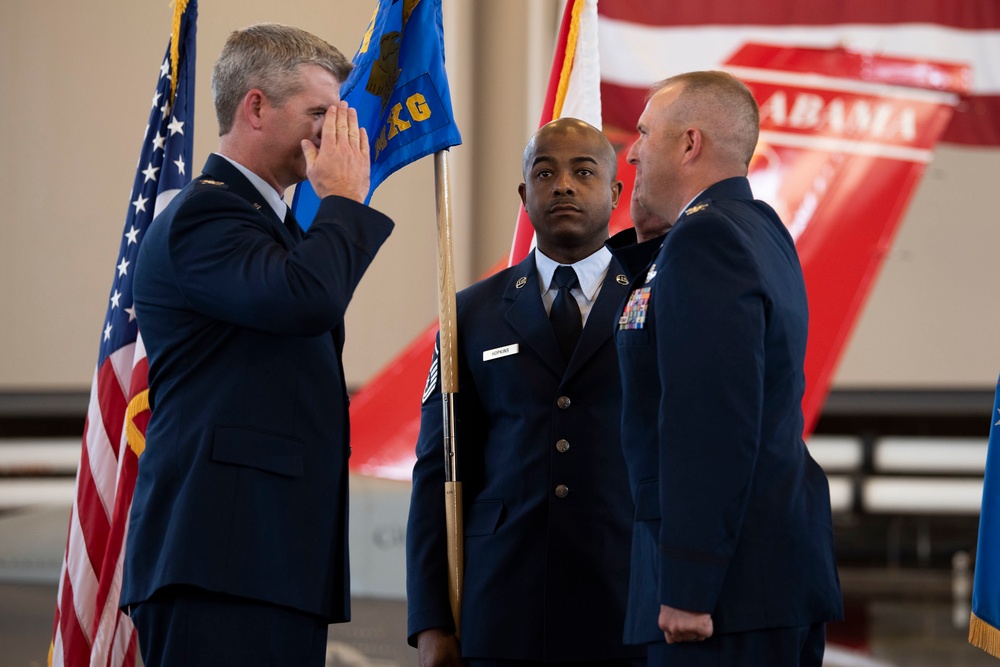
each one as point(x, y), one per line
point(448, 365)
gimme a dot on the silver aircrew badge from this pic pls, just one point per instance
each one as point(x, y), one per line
point(695, 209)
point(622, 280)
point(521, 282)
point(651, 273)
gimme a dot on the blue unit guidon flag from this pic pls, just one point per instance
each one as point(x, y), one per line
point(88, 628)
point(984, 628)
point(400, 90)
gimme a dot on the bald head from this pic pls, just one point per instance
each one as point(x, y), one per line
point(570, 188)
point(721, 106)
point(581, 132)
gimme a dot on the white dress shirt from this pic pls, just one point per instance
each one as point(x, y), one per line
point(589, 271)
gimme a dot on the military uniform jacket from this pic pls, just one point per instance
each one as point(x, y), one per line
point(547, 507)
point(242, 487)
point(732, 515)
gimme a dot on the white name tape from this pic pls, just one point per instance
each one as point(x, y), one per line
point(497, 352)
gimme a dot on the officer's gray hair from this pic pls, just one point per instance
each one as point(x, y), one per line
point(723, 105)
point(267, 56)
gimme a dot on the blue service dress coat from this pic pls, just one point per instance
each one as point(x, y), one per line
point(732, 515)
point(547, 508)
point(242, 487)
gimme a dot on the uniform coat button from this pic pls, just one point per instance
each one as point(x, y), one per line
point(562, 446)
point(562, 490)
point(563, 402)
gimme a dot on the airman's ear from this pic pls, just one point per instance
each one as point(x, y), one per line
point(616, 193)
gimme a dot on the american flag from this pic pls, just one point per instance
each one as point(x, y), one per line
point(88, 628)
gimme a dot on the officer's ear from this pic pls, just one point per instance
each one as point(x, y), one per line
point(253, 107)
point(693, 143)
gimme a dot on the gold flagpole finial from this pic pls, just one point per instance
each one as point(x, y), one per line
point(175, 36)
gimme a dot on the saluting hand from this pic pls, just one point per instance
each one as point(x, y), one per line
point(684, 626)
point(341, 165)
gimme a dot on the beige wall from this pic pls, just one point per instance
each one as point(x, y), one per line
point(76, 80)
point(933, 318)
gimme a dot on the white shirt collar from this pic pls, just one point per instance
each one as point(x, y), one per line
point(269, 194)
point(590, 271)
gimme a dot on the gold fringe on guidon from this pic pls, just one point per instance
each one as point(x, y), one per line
point(136, 439)
point(175, 49)
point(984, 635)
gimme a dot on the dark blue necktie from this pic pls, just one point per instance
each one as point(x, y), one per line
point(565, 314)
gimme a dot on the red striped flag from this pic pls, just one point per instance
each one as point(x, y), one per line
point(88, 628)
point(644, 42)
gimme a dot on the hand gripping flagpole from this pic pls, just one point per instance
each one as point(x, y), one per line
point(449, 385)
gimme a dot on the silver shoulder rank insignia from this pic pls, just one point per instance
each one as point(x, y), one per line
point(257, 206)
point(622, 280)
point(521, 282)
point(208, 181)
point(696, 209)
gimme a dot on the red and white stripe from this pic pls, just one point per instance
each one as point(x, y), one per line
point(643, 42)
point(87, 619)
point(92, 539)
